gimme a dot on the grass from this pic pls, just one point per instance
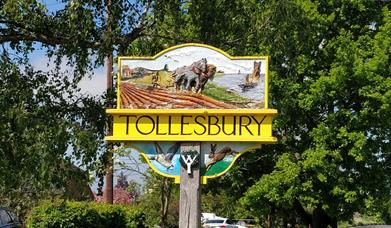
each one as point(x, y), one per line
point(221, 94)
point(219, 74)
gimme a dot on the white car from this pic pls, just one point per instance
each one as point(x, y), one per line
point(207, 216)
point(220, 222)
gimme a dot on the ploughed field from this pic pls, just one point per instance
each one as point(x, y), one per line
point(156, 98)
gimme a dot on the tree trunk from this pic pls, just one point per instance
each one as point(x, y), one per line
point(270, 221)
point(109, 179)
point(321, 220)
point(307, 219)
point(165, 201)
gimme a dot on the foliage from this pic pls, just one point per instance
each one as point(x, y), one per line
point(44, 128)
point(77, 30)
point(330, 65)
point(159, 198)
point(333, 96)
point(220, 203)
point(232, 186)
point(122, 181)
point(84, 214)
point(126, 191)
point(121, 196)
point(386, 212)
point(134, 190)
point(360, 220)
point(329, 80)
point(160, 201)
point(47, 126)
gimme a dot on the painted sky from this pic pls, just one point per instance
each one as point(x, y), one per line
point(185, 56)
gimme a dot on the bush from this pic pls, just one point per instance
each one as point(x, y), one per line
point(386, 213)
point(69, 214)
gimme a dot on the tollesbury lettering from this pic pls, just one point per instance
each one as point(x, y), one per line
point(197, 125)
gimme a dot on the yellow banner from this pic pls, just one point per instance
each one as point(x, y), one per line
point(193, 125)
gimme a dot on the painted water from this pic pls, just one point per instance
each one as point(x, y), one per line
point(233, 81)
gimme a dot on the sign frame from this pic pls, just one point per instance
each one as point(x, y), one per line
point(269, 113)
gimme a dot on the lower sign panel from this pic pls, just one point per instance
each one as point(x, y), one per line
point(216, 158)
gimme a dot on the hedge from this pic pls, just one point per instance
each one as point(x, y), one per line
point(69, 214)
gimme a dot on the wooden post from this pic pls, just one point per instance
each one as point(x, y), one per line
point(190, 190)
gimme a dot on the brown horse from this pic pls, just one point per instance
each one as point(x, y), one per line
point(204, 77)
point(184, 76)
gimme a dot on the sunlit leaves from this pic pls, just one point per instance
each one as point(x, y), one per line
point(45, 129)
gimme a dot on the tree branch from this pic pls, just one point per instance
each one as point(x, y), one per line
point(141, 26)
point(53, 41)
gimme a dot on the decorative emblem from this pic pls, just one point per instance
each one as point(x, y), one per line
point(189, 159)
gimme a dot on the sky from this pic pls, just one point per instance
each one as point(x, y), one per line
point(94, 86)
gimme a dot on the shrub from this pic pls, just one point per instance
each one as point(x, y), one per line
point(69, 214)
point(386, 213)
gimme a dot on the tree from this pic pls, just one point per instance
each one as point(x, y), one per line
point(132, 188)
point(42, 119)
point(330, 64)
point(326, 58)
point(122, 181)
point(330, 80)
point(160, 201)
point(77, 30)
point(159, 192)
point(47, 126)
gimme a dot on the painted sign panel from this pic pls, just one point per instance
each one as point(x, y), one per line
point(216, 158)
point(192, 77)
point(192, 92)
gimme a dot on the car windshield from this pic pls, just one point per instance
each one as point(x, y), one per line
point(229, 222)
point(215, 221)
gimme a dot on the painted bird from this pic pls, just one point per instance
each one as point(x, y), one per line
point(218, 156)
point(165, 158)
